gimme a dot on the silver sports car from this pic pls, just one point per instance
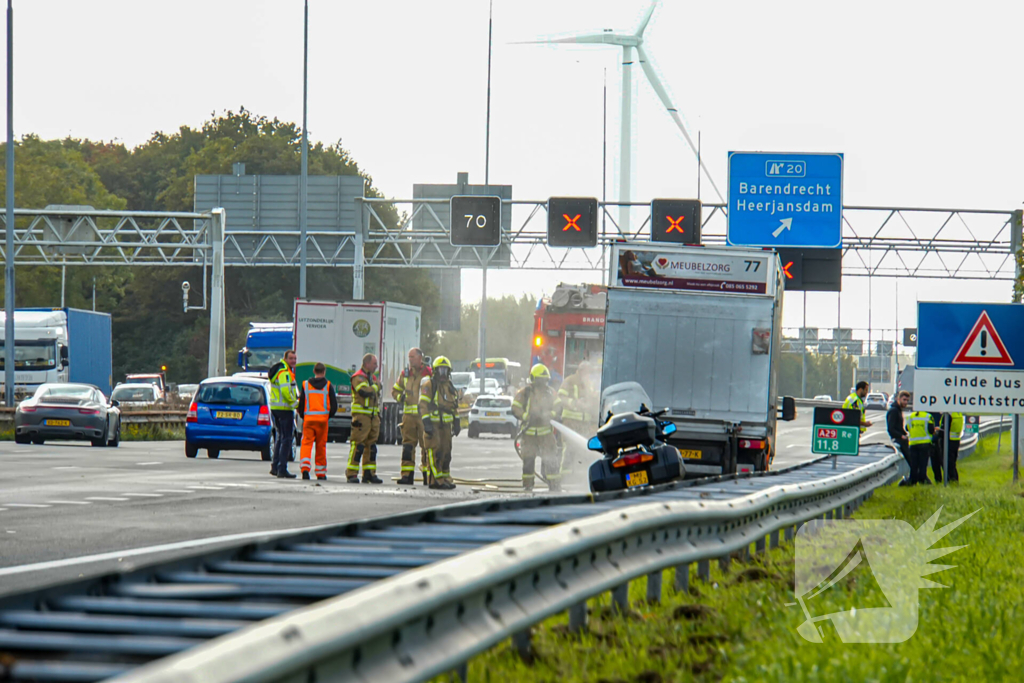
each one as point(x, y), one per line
point(76, 412)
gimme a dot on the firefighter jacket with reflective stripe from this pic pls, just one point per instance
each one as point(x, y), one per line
point(536, 408)
point(407, 389)
point(438, 400)
point(283, 392)
point(317, 401)
point(854, 402)
point(920, 427)
point(368, 404)
point(576, 397)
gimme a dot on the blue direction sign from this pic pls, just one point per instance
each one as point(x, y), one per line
point(970, 336)
point(785, 200)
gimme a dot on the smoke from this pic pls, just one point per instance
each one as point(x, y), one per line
point(578, 457)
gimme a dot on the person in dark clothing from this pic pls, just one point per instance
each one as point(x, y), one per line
point(897, 428)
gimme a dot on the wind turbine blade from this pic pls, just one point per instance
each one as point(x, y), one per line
point(646, 20)
point(659, 89)
point(585, 38)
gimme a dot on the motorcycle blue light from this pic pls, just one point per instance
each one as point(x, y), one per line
point(670, 428)
point(594, 444)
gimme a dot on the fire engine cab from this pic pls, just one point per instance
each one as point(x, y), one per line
point(568, 327)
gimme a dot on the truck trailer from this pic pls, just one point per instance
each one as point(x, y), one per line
point(59, 345)
point(339, 334)
point(700, 330)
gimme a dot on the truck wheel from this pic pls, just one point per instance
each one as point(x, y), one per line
point(213, 453)
point(191, 450)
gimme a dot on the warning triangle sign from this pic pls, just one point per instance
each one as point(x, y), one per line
point(983, 346)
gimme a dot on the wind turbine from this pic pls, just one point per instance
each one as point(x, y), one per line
point(630, 42)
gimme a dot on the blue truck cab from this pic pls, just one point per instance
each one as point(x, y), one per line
point(264, 345)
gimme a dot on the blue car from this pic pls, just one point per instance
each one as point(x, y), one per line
point(230, 414)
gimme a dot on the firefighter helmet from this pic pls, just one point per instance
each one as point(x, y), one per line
point(540, 371)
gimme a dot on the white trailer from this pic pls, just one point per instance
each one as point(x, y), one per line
point(339, 334)
point(700, 330)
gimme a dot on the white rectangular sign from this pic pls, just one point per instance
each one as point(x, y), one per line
point(678, 267)
point(980, 392)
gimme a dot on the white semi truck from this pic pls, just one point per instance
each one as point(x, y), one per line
point(700, 330)
point(339, 334)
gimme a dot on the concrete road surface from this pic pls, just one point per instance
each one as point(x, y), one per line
point(69, 510)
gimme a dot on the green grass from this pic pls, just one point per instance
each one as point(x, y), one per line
point(738, 627)
point(152, 432)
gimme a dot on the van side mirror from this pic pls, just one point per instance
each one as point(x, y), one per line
point(788, 408)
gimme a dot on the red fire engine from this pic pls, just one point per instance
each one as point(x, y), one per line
point(568, 327)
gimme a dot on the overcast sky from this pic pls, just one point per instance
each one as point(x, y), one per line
point(923, 98)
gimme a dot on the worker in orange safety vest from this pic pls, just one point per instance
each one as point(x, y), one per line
point(317, 405)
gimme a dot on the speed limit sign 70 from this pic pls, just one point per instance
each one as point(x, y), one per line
point(475, 221)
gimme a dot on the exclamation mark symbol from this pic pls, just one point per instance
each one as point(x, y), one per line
point(984, 342)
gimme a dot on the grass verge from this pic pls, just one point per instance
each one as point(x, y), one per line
point(152, 432)
point(738, 627)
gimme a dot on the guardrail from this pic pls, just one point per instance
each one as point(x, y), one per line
point(128, 417)
point(970, 442)
point(430, 620)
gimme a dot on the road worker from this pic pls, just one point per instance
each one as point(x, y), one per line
point(283, 401)
point(535, 406)
point(317, 405)
point(407, 393)
point(365, 423)
point(920, 428)
point(579, 412)
point(439, 411)
point(855, 401)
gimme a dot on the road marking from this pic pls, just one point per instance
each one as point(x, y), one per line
point(175, 491)
point(69, 502)
point(143, 495)
point(105, 498)
point(155, 462)
point(68, 467)
point(206, 488)
point(26, 505)
point(3, 509)
point(221, 483)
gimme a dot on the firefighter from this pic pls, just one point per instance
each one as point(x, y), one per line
point(579, 409)
point(535, 405)
point(855, 401)
point(365, 423)
point(407, 393)
point(317, 405)
point(439, 411)
point(283, 401)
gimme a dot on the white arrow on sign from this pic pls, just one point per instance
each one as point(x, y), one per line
point(786, 224)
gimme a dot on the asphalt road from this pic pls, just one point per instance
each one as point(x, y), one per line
point(69, 510)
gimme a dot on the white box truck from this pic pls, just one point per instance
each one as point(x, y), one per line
point(700, 330)
point(339, 334)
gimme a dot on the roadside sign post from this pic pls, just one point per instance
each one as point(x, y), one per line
point(947, 423)
point(836, 432)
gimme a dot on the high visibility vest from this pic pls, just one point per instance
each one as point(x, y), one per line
point(542, 408)
point(854, 402)
point(318, 402)
point(957, 426)
point(283, 392)
point(363, 405)
point(438, 400)
point(917, 427)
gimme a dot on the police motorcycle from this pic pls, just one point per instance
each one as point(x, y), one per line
point(633, 443)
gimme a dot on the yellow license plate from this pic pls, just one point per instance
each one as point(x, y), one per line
point(493, 414)
point(691, 455)
point(58, 423)
point(229, 415)
point(637, 478)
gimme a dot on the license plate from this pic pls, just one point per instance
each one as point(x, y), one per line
point(692, 455)
point(58, 423)
point(637, 478)
point(229, 415)
point(493, 414)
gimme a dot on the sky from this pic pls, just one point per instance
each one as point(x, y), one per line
point(923, 99)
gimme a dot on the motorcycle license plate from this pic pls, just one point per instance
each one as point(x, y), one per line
point(229, 415)
point(493, 414)
point(58, 423)
point(637, 479)
point(690, 454)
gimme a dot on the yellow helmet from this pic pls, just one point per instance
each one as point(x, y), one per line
point(540, 371)
point(442, 362)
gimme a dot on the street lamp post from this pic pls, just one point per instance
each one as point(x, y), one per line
point(9, 251)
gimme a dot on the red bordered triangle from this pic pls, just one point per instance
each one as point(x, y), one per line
point(983, 346)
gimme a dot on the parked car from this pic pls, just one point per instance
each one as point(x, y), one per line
point(136, 395)
point(60, 411)
point(230, 414)
point(875, 401)
point(492, 415)
point(823, 397)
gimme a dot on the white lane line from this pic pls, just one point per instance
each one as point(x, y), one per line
point(3, 509)
point(181, 545)
point(206, 488)
point(105, 498)
point(68, 467)
point(175, 491)
point(221, 483)
point(26, 505)
point(155, 462)
point(143, 495)
point(69, 502)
